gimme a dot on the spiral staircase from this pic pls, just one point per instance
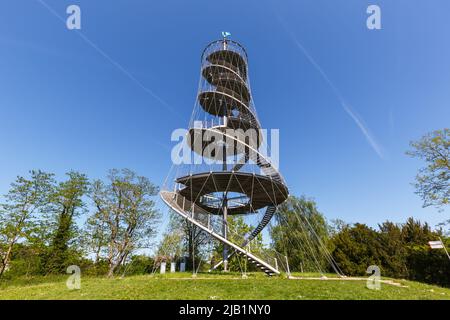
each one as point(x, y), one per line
point(231, 129)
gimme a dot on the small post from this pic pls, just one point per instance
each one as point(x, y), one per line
point(276, 263)
point(162, 269)
point(287, 265)
point(183, 266)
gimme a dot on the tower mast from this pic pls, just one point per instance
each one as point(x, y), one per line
point(224, 195)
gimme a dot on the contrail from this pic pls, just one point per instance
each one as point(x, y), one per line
point(356, 118)
point(111, 60)
point(363, 127)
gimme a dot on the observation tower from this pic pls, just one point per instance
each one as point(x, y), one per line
point(227, 173)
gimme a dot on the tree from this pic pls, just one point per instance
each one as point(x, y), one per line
point(194, 239)
point(95, 236)
point(337, 225)
point(416, 233)
point(171, 245)
point(432, 182)
point(356, 248)
point(400, 250)
point(18, 213)
point(67, 203)
point(126, 208)
point(140, 264)
point(301, 234)
point(430, 266)
point(237, 229)
point(394, 252)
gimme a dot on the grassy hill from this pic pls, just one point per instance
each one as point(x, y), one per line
point(210, 286)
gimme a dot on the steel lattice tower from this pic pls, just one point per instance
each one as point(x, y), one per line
point(237, 178)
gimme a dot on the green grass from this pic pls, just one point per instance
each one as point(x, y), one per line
point(211, 286)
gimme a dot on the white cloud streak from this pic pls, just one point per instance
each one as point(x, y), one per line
point(117, 65)
point(353, 115)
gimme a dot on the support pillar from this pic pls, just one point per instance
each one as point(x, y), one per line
point(287, 267)
point(225, 235)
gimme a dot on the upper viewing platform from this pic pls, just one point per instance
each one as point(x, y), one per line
point(226, 53)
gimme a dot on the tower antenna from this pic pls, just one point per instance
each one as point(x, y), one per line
point(225, 35)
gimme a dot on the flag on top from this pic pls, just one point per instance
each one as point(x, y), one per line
point(436, 244)
point(225, 34)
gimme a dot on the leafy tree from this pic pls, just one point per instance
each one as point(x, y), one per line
point(194, 240)
point(126, 207)
point(432, 182)
point(95, 234)
point(416, 233)
point(171, 245)
point(424, 264)
point(94, 238)
point(393, 254)
point(430, 266)
point(400, 250)
point(356, 248)
point(26, 260)
point(17, 215)
point(301, 234)
point(236, 234)
point(140, 264)
point(67, 204)
point(337, 225)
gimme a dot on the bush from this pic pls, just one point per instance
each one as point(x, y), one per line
point(430, 266)
point(139, 264)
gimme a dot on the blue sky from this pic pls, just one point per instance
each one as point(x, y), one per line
point(347, 100)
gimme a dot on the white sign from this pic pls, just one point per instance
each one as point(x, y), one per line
point(436, 244)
